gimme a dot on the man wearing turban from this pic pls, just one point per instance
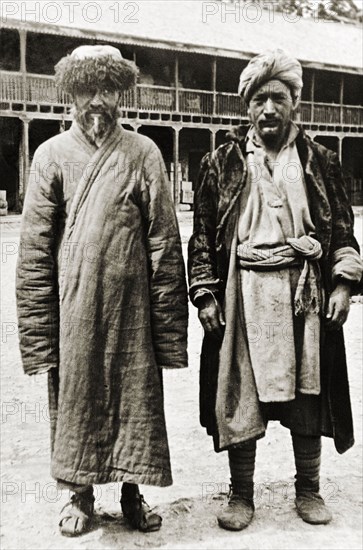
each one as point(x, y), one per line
point(101, 293)
point(272, 263)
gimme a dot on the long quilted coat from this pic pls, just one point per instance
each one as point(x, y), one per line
point(102, 303)
point(222, 177)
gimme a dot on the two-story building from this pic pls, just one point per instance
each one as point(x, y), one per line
point(190, 55)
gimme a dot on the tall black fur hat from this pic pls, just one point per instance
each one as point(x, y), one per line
point(94, 67)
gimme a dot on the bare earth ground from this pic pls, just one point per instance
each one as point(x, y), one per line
point(30, 502)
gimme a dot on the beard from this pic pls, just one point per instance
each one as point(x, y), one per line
point(96, 123)
point(272, 132)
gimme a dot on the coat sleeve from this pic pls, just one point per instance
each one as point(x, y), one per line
point(342, 214)
point(36, 278)
point(345, 260)
point(168, 289)
point(202, 257)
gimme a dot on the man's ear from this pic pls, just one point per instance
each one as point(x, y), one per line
point(295, 103)
point(295, 98)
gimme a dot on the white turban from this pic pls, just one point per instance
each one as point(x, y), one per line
point(271, 65)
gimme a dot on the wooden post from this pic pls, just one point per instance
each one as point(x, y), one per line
point(22, 36)
point(212, 138)
point(341, 98)
point(214, 83)
point(136, 99)
point(24, 158)
point(176, 81)
point(340, 150)
point(176, 190)
point(312, 97)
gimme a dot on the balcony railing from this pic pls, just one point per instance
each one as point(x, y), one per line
point(352, 116)
point(152, 98)
point(230, 105)
point(12, 86)
point(41, 90)
point(31, 88)
point(195, 102)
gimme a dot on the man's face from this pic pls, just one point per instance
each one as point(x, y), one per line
point(96, 111)
point(270, 111)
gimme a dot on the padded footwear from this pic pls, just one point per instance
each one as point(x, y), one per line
point(311, 508)
point(138, 513)
point(76, 515)
point(237, 514)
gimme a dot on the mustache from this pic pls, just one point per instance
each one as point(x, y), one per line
point(98, 109)
point(107, 118)
point(269, 120)
point(101, 110)
point(86, 118)
point(268, 123)
point(106, 113)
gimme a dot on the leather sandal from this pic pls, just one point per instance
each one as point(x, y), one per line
point(139, 514)
point(76, 515)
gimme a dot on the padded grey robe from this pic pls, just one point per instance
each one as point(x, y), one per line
point(102, 303)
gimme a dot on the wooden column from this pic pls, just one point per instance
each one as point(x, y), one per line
point(214, 83)
point(340, 150)
point(176, 81)
point(212, 138)
point(24, 158)
point(176, 190)
point(312, 97)
point(22, 35)
point(341, 98)
point(135, 87)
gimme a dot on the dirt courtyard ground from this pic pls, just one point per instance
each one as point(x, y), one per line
point(30, 503)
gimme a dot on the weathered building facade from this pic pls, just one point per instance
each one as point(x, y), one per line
point(185, 99)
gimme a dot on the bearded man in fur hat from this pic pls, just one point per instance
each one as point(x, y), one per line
point(101, 293)
point(272, 263)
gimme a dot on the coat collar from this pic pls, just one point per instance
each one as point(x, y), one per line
point(311, 160)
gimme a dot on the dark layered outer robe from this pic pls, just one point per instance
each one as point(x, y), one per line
point(102, 303)
point(222, 178)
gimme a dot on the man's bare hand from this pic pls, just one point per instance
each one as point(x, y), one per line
point(211, 316)
point(338, 307)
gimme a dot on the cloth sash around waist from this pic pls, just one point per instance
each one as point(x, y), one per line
point(295, 252)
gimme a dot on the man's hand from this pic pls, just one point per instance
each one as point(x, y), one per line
point(211, 316)
point(338, 307)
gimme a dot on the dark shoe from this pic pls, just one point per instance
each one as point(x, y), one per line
point(311, 508)
point(138, 513)
point(76, 515)
point(238, 513)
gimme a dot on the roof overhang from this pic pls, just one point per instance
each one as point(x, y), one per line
point(120, 38)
